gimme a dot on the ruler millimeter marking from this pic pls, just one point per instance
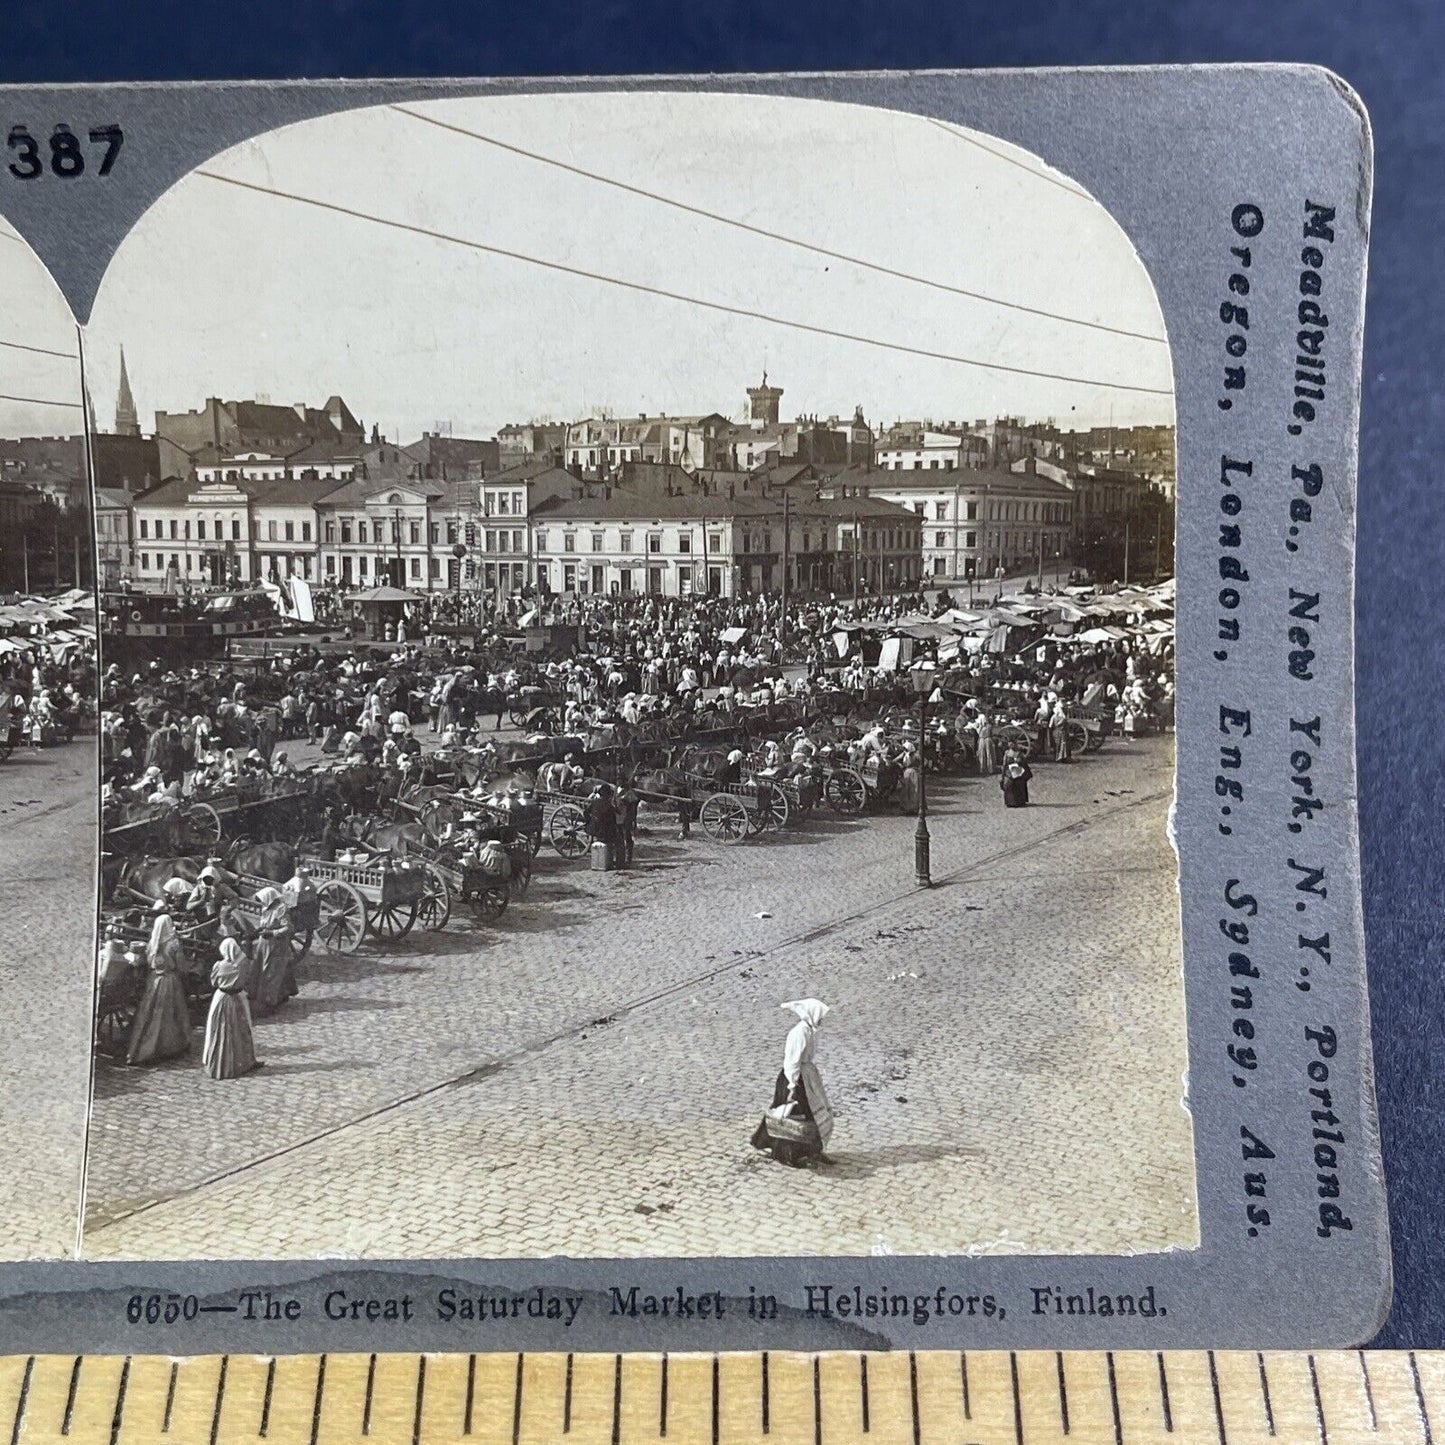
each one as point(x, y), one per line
point(777, 1398)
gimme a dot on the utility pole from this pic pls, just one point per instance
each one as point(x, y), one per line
point(855, 558)
point(783, 619)
point(1126, 551)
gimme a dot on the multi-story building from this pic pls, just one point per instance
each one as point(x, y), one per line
point(523, 441)
point(54, 467)
point(927, 451)
point(501, 544)
point(229, 427)
point(383, 533)
point(600, 446)
point(113, 546)
point(975, 522)
point(226, 532)
point(677, 546)
point(313, 461)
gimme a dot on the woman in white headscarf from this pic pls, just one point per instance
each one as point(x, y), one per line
point(796, 1129)
point(162, 1025)
point(273, 969)
point(230, 1048)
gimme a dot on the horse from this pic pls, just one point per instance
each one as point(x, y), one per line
point(276, 861)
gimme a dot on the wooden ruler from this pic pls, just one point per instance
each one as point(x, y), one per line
point(973, 1398)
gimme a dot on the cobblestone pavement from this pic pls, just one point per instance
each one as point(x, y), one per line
point(48, 859)
point(1005, 1057)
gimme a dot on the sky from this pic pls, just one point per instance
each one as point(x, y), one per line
point(231, 290)
point(33, 314)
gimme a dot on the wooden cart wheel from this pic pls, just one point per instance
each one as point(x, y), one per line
point(1096, 739)
point(112, 1028)
point(568, 831)
point(300, 944)
point(1078, 737)
point(845, 792)
point(774, 810)
point(724, 818)
point(342, 923)
point(489, 902)
point(393, 920)
point(199, 828)
point(434, 908)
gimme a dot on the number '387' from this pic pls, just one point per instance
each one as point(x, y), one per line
point(61, 153)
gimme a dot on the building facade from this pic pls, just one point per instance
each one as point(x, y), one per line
point(681, 546)
point(114, 549)
point(976, 522)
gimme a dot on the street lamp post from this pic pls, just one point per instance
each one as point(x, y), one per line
point(922, 677)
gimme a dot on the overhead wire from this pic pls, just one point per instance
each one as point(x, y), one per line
point(1076, 191)
point(42, 401)
point(40, 350)
point(641, 287)
point(763, 231)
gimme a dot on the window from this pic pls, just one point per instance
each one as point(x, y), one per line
point(971, 513)
point(361, 565)
point(306, 531)
point(490, 541)
point(290, 531)
point(200, 530)
point(597, 541)
point(517, 507)
point(569, 542)
point(235, 529)
point(541, 541)
point(624, 544)
point(415, 533)
point(940, 539)
point(145, 561)
point(270, 531)
point(416, 566)
point(345, 531)
point(173, 528)
point(940, 511)
point(451, 534)
point(714, 542)
point(433, 567)
point(684, 541)
point(433, 533)
point(330, 564)
point(504, 504)
point(143, 527)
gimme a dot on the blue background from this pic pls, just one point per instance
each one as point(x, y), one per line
point(1390, 50)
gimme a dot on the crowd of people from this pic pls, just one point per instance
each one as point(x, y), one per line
point(172, 729)
point(45, 697)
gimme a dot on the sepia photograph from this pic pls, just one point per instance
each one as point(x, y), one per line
point(636, 705)
point(48, 774)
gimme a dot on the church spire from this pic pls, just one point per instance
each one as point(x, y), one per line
point(127, 422)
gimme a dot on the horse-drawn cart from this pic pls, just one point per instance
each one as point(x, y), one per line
point(380, 897)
